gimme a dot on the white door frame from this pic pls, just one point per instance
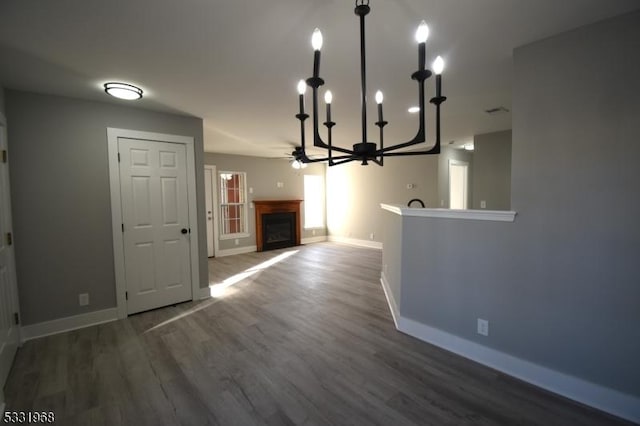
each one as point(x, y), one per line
point(214, 201)
point(113, 135)
point(13, 282)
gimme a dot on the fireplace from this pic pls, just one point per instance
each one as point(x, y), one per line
point(278, 230)
point(277, 223)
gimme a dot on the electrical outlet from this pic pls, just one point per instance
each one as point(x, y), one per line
point(83, 299)
point(483, 204)
point(280, 184)
point(410, 186)
point(441, 203)
point(250, 190)
point(313, 232)
point(371, 236)
point(251, 205)
point(237, 241)
point(483, 327)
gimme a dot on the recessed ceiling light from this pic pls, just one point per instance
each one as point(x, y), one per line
point(123, 91)
point(414, 109)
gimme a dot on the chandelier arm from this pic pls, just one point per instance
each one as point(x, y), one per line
point(381, 125)
point(347, 160)
point(381, 145)
point(306, 159)
point(319, 143)
point(420, 134)
point(363, 75)
point(437, 101)
point(302, 116)
point(329, 125)
point(317, 139)
point(316, 133)
point(434, 150)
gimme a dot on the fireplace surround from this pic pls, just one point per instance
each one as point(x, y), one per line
point(277, 223)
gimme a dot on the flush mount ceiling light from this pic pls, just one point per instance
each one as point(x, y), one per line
point(123, 91)
point(364, 150)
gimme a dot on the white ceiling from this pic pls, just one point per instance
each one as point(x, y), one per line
point(235, 63)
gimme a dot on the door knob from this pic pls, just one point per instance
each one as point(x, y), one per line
point(184, 230)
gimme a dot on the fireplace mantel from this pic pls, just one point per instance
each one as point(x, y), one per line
point(275, 206)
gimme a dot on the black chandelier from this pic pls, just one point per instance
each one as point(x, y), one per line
point(366, 151)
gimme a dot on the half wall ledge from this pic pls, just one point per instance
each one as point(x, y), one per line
point(491, 215)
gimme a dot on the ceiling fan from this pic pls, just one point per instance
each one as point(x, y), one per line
point(296, 156)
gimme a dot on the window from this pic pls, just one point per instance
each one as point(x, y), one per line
point(313, 201)
point(233, 205)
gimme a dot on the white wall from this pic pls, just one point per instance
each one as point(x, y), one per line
point(354, 193)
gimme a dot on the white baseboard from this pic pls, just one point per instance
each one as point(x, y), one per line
point(356, 242)
point(205, 293)
point(234, 251)
point(594, 395)
point(61, 325)
point(391, 301)
point(312, 240)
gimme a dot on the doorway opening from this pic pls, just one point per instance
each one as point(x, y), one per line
point(458, 184)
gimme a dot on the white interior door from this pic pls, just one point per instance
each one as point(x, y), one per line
point(209, 188)
point(9, 332)
point(155, 214)
point(458, 184)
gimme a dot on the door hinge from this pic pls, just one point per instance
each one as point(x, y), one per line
point(4, 155)
point(118, 157)
point(123, 227)
point(16, 318)
point(189, 230)
point(9, 239)
point(126, 295)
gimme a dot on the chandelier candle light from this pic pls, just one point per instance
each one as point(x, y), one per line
point(366, 151)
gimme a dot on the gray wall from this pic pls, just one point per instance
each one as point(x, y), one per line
point(492, 170)
point(61, 199)
point(263, 174)
point(443, 174)
point(560, 284)
point(392, 255)
point(354, 192)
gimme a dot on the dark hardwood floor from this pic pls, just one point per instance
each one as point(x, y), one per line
point(295, 336)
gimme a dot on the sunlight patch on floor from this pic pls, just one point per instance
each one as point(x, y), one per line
point(219, 290)
point(193, 310)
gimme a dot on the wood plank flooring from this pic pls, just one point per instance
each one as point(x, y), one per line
point(299, 336)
